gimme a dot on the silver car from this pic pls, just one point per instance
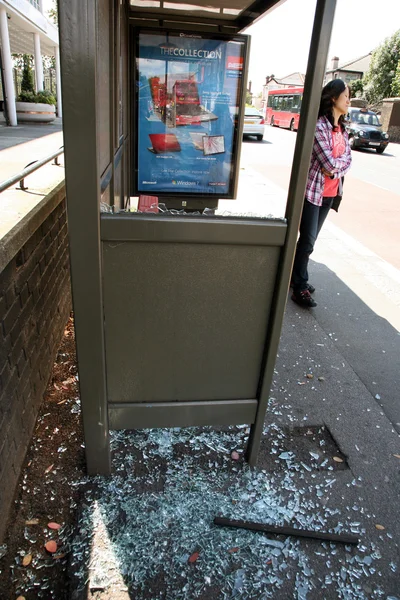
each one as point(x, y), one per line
point(253, 123)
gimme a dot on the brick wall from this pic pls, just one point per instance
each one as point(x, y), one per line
point(35, 302)
point(390, 118)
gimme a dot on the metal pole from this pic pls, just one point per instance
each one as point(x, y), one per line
point(9, 91)
point(58, 81)
point(318, 55)
point(79, 46)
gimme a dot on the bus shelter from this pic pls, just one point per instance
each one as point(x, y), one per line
point(177, 318)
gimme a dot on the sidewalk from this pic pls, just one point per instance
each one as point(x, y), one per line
point(20, 146)
point(329, 461)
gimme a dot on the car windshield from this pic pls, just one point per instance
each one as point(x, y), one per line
point(364, 118)
point(252, 112)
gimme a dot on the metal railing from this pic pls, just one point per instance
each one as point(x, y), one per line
point(30, 168)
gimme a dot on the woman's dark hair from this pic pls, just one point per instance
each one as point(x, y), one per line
point(331, 92)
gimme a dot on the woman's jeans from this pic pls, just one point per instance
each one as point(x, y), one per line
point(312, 219)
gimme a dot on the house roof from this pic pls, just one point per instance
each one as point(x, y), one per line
point(294, 79)
point(360, 64)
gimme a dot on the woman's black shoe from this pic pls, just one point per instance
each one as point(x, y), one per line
point(303, 298)
point(309, 287)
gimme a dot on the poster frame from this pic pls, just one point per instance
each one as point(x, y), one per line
point(187, 196)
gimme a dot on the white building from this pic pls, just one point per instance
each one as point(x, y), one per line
point(25, 30)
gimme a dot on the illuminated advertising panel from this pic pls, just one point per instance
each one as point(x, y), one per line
point(188, 92)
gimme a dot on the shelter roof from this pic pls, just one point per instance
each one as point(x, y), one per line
point(236, 14)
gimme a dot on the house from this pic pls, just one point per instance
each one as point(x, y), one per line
point(25, 30)
point(348, 71)
point(294, 80)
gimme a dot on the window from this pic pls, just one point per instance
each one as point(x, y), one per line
point(289, 103)
point(269, 103)
point(35, 3)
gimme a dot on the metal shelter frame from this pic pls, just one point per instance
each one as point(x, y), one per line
point(106, 248)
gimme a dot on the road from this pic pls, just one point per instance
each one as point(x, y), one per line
point(355, 266)
point(370, 210)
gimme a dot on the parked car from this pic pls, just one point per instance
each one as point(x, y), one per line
point(365, 130)
point(253, 123)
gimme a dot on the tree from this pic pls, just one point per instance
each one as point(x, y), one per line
point(27, 77)
point(53, 13)
point(356, 88)
point(396, 82)
point(379, 77)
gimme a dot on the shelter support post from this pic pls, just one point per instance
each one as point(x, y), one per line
point(79, 43)
point(319, 47)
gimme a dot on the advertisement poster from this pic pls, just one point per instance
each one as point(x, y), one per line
point(188, 88)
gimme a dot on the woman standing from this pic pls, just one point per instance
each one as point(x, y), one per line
point(330, 160)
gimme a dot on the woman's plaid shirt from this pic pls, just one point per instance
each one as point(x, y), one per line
point(322, 157)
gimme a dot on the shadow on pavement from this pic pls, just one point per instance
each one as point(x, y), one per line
point(369, 343)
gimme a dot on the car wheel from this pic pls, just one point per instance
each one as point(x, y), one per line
point(380, 150)
point(291, 126)
point(259, 137)
point(272, 122)
point(351, 142)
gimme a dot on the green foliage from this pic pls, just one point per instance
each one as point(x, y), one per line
point(53, 13)
point(45, 97)
point(42, 97)
point(27, 77)
point(378, 79)
point(396, 82)
point(249, 98)
point(356, 88)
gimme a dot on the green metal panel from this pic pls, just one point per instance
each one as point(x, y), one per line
point(186, 321)
point(177, 414)
point(223, 230)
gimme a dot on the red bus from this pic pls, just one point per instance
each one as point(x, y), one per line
point(283, 107)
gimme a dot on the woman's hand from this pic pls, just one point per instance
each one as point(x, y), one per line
point(327, 173)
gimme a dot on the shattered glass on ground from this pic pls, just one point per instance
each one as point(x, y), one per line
point(147, 532)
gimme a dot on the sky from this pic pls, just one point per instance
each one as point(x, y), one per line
point(280, 41)
point(279, 45)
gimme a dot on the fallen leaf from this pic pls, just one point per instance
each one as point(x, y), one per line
point(338, 459)
point(269, 562)
point(53, 525)
point(51, 546)
point(32, 522)
point(235, 455)
point(380, 527)
point(49, 468)
point(310, 376)
point(58, 556)
point(232, 550)
point(194, 557)
point(396, 455)
point(27, 560)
